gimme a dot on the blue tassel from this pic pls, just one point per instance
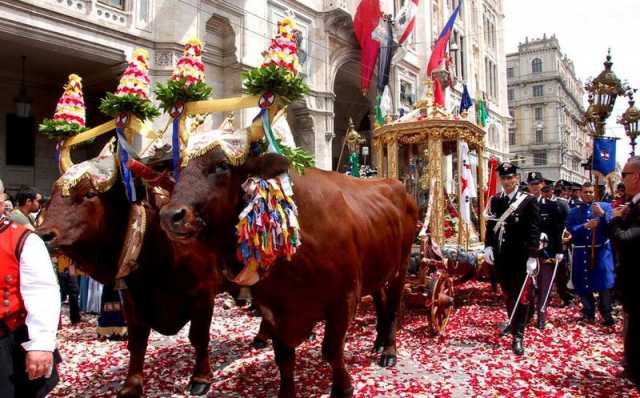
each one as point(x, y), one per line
point(175, 143)
point(126, 173)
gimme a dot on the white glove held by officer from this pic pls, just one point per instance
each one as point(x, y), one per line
point(488, 254)
point(559, 257)
point(532, 265)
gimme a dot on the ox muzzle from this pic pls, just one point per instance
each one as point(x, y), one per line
point(181, 222)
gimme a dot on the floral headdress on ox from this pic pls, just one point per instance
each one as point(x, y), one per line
point(69, 116)
point(101, 171)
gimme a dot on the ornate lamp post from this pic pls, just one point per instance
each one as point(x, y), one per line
point(603, 91)
point(630, 119)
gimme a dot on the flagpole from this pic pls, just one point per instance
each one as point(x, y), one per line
point(593, 234)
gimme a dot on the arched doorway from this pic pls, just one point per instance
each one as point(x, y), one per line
point(350, 104)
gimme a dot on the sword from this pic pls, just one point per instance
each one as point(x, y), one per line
point(543, 309)
point(515, 307)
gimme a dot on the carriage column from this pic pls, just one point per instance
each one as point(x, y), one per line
point(434, 154)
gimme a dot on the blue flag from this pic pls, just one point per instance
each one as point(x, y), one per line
point(465, 102)
point(604, 155)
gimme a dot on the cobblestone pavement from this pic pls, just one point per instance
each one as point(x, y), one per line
point(567, 359)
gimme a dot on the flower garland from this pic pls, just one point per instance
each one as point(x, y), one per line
point(268, 226)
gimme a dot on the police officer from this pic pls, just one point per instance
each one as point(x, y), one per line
point(512, 241)
point(551, 228)
point(575, 200)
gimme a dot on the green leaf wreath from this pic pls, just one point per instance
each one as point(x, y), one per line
point(58, 130)
point(279, 81)
point(177, 91)
point(113, 105)
point(299, 158)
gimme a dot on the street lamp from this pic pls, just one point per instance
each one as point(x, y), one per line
point(603, 91)
point(630, 119)
point(23, 103)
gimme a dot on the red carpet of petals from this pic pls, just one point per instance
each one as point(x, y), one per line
point(568, 359)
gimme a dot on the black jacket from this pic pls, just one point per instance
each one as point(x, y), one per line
point(521, 237)
point(625, 234)
point(552, 223)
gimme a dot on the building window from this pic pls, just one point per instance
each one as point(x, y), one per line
point(539, 158)
point(538, 90)
point(114, 3)
point(509, 72)
point(538, 113)
point(536, 65)
point(512, 136)
point(539, 135)
point(491, 79)
point(510, 95)
point(21, 141)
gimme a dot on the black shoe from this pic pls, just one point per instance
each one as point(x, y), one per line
point(608, 322)
point(517, 347)
point(541, 323)
point(506, 329)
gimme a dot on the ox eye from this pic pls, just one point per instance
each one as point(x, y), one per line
point(90, 194)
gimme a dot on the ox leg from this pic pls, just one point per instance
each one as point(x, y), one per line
point(137, 346)
point(286, 361)
point(380, 301)
point(261, 339)
point(199, 338)
point(336, 327)
point(392, 319)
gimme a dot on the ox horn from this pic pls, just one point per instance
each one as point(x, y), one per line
point(65, 161)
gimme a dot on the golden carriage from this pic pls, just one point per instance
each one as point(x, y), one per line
point(428, 150)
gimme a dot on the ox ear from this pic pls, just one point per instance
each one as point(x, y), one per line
point(266, 166)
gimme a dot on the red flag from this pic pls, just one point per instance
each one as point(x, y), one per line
point(365, 21)
point(492, 184)
point(438, 95)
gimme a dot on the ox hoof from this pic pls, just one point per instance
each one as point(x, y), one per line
point(339, 393)
point(377, 348)
point(198, 388)
point(312, 337)
point(130, 392)
point(259, 343)
point(387, 360)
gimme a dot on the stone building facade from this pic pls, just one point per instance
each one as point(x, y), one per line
point(546, 100)
point(94, 38)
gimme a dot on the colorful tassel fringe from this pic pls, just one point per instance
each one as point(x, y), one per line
point(268, 228)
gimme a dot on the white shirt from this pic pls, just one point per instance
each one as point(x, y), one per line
point(41, 295)
point(512, 194)
point(636, 198)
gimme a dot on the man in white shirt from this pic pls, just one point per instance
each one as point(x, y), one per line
point(29, 313)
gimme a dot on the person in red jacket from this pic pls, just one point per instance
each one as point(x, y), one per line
point(29, 311)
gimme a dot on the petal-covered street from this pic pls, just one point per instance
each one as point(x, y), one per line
point(567, 359)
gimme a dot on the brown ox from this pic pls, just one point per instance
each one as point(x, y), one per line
point(356, 239)
point(164, 293)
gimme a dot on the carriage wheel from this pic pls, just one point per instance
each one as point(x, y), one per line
point(441, 303)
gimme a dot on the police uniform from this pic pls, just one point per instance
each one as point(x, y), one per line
point(511, 242)
point(29, 310)
point(575, 201)
point(551, 226)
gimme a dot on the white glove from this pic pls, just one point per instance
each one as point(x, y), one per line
point(532, 265)
point(488, 254)
point(559, 257)
point(544, 240)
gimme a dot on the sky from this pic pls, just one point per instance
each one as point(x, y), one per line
point(585, 30)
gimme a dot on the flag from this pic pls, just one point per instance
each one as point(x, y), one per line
point(492, 183)
point(386, 54)
point(406, 21)
point(604, 155)
point(365, 21)
point(467, 184)
point(465, 101)
point(384, 106)
point(481, 113)
point(438, 95)
point(437, 54)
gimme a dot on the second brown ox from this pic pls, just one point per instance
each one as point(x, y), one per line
point(356, 239)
